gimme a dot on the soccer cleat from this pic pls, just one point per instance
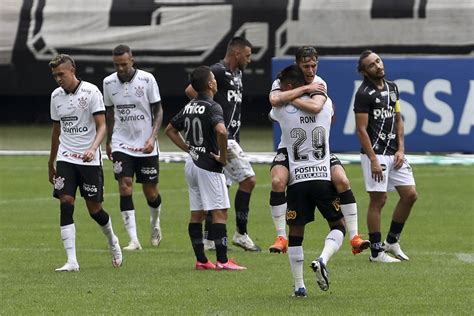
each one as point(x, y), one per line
point(301, 292)
point(358, 244)
point(395, 250)
point(383, 258)
point(244, 242)
point(116, 253)
point(322, 274)
point(68, 267)
point(133, 245)
point(280, 245)
point(205, 266)
point(156, 236)
point(209, 244)
point(229, 265)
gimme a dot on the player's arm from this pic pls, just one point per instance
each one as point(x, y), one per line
point(190, 92)
point(55, 132)
point(279, 98)
point(313, 105)
point(400, 154)
point(157, 111)
point(110, 122)
point(362, 121)
point(176, 137)
point(221, 133)
point(99, 119)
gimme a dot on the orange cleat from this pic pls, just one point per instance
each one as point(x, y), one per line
point(280, 245)
point(358, 244)
point(205, 266)
point(229, 265)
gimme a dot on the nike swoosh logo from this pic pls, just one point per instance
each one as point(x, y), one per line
point(91, 195)
point(114, 93)
point(154, 177)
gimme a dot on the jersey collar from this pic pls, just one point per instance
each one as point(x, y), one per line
point(131, 78)
point(75, 89)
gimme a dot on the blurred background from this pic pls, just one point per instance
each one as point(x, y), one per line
point(427, 47)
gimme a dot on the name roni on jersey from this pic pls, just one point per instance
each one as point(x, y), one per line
point(310, 172)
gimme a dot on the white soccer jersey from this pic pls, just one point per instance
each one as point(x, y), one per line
point(133, 116)
point(306, 137)
point(74, 111)
point(276, 87)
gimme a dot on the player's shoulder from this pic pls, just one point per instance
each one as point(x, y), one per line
point(218, 67)
point(144, 76)
point(320, 80)
point(391, 84)
point(366, 88)
point(58, 92)
point(87, 87)
point(276, 85)
point(110, 79)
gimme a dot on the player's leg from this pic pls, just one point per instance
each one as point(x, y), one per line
point(148, 174)
point(280, 175)
point(296, 257)
point(348, 205)
point(208, 233)
point(65, 184)
point(92, 184)
point(123, 167)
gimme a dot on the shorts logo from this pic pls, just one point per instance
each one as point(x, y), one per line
point(149, 171)
point(90, 188)
point(337, 204)
point(82, 102)
point(139, 92)
point(290, 214)
point(117, 167)
point(280, 157)
point(58, 183)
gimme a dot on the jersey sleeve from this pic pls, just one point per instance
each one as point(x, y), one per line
point(275, 86)
point(361, 103)
point(153, 91)
point(219, 72)
point(97, 102)
point(53, 113)
point(178, 120)
point(107, 101)
point(216, 115)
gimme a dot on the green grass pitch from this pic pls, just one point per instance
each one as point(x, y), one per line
point(438, 238)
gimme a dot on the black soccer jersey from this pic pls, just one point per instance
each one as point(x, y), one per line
point(381, 106)
point(229, 96)
point(198, 120)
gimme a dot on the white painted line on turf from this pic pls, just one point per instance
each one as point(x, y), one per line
point(465, 257)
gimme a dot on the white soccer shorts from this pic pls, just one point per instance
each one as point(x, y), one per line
point(238, 166)
point(207, 190)
point(391, 178)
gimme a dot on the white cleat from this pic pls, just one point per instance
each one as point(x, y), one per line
point(383, 258)
point(68, 267)
point(244, 242)
point(116, 253)
point(322, 274)
point(395, 250)
point(209, 244)
point(133, 245)
point(156, 236)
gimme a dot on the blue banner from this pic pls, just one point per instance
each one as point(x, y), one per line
point(436, 96)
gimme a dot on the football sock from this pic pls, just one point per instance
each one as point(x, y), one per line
point(375, 243)
point(296, 257)
point(66, 212)
point(195, 234)
point(220, 240)
point(242, 200)
point(208, 227)
point(278, 208)
point(349, 210)
point(393, 235)
point(108, 230)
point(155, 211)
point(129, 221)
point(332, 244)
point(68, 236)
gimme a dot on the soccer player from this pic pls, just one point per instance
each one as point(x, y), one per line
point(228, 74)
point(309, 186)
point(78, 115)
point(205, 139)
point(306, 58)
point(134, 116)
point(379, 126)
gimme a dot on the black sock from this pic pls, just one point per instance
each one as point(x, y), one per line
point(393, 235)
point(208, 233)
point(126, 203)
point(101, 217)
point(195, 234)
point(220, 239)
point(277, 198)
point(67, 210)
point(295, 241)
point(242, 201)
point(375, 243)
point(156, 203)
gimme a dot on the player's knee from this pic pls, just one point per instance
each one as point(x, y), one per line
point(410, 197)
point(339, 226)
point(67, 199)
point(248, 184)
point(125, 186)
point(378, 201)
point(341, 182)
point(278, 184)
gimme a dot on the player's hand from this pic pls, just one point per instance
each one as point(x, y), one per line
point(219, 158)
point(51, 174)
point(398, 160)
point(88, 155)
point(376, 169)
point(108, 150)
point(316, 86)
point(149, 145)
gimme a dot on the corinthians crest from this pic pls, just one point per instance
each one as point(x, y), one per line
point(58, 183)
point(139, 91)
point(393, 96)
point(82, 102)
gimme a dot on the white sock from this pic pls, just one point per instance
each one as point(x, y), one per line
point(155, 216)
point(130, 225)
point(279, 219)
point(109, 232)
point(296, 256)
point(331, 245)
point(68, 236)
point(350, 216)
